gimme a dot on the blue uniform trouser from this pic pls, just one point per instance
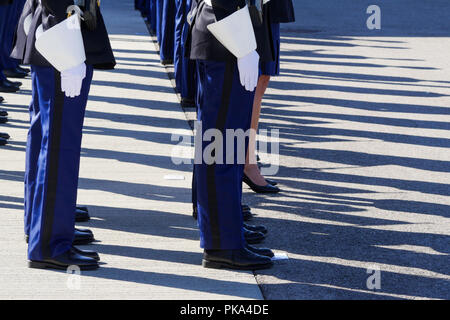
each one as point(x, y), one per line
point(3, 25)
point(52, 163)
point(152, 15)
point(223, 103)
point(13, 12)
point(184, 68)
point(159, 4)
point(167, 31)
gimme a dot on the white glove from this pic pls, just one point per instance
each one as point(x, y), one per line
point(72, 80)
point(249, 70)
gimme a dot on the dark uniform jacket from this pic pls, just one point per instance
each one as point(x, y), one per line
point(281, 11)
point(202, 45)
point(51, 12)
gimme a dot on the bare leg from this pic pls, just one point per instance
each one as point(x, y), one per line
point(251, 168)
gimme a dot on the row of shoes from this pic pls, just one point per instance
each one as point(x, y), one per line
point(8, 86)
point(83, 259)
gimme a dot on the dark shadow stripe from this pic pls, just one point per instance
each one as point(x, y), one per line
point(210, 170)
point(53, 166)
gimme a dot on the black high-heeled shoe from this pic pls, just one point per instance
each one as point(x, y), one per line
point(268, 188)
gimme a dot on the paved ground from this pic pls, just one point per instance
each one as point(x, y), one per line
point(364, 120)
point(364, 167)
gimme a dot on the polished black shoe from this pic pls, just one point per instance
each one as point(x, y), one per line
point(83, 208)
point(81, 216)
point(84, 231)
point(3, 113)
point(4, 135)
point(240, 259)
point(65, 260)
point(3, 119)
point(194, 213)
point(253, 237)
point(23, 69)
point(3, 142)
point(268, 188)
point(187, 103)
point(82, 238)
point(17, 84)
point(2, 99)
point(87, 253)
point(272, 182)
point(247, 216)
point(7, 86)
point(15, 73)
point(253, 228)
point(166, 62)
point(261, 251)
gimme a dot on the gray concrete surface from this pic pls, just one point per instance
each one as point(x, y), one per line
point(364, 119)
point(147, 237)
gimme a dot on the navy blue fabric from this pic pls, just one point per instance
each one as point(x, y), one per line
point(223, 103)
point(167, 31)
point(272, 68)
point(281, 11)
point(152, 14)
point(52, 163)
point(184, 68)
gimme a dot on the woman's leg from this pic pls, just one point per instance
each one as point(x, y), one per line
point(251, 167)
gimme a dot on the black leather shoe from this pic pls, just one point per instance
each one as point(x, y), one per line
point(3, 142)
point(166, 62)
point(87, 253)
point(247, 215)
point(83, 209)
point(252, 237)
point(84, 231)
point(3, 113)
point(261, 251)
point(7, 86)
point(23, 69)
point(187, 103)
point(81, 216)
point(17, 84)
point(4, 135)
point(2, 99)
point(3, 119)
point(272, 182)
point(82, 238)
point(15, 73)
point(65, 260)
point(240, 259)
point(268, 188)
point(253, 228)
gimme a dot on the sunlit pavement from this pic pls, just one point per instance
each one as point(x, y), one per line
point(364, 120)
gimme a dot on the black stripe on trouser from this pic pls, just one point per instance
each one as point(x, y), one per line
point(52, 167)
point(210, 170)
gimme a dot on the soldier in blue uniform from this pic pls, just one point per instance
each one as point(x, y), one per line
point(227, 45)
point(62, 54)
